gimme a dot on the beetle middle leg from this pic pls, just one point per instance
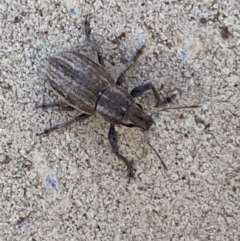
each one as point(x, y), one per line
point(64, 124)
point(113, 140)
point(141, 89)
point(133, 61)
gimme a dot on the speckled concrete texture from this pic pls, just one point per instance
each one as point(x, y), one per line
point(69, 185)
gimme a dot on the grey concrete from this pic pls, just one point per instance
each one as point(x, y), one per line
point(68, 185)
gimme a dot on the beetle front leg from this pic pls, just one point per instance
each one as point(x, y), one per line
point(141, 89)
point(113, 140)
point(64, 124)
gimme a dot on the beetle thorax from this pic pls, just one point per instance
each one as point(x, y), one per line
point(117, 106)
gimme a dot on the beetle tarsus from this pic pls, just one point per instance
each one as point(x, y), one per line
point(64, 124)
point(129, 164)
point(48, 130)
point(52, 105)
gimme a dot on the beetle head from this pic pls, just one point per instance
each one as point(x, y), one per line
point(136, 117)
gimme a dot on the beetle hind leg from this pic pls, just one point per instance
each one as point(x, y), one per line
point(64, 124)
point(113, 140)
point(53, 104)
point(92, 41)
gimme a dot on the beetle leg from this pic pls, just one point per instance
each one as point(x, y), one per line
point(135, 58)
point(64, 124)
point(87, 26)
point(100, 57)
point(92, 41)
point(113, 140)
point(51, 105)
point(141, 89)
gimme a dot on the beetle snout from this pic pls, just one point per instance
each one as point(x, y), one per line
point(135, 116)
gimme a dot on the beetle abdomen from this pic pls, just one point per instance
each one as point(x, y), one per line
point(78, 79)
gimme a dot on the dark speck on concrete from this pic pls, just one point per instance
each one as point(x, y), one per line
point(183, 54)
point(51, 181)
point(73, 11)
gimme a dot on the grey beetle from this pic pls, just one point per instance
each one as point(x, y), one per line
point(86, 86)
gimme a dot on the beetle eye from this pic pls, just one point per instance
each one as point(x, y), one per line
point(139, 105)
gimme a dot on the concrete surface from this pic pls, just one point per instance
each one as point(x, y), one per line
point(68, 185)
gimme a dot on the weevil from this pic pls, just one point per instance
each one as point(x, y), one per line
point(86, 86)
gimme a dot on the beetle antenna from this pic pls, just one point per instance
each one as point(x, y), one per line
point(180, 107)
point(162, 162)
